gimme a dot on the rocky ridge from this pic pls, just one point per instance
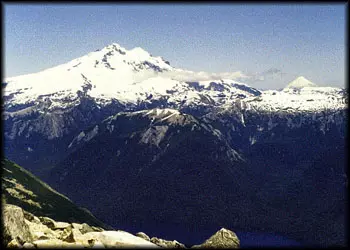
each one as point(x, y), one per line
point(221, 239)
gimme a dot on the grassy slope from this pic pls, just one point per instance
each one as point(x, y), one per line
point(21, 188)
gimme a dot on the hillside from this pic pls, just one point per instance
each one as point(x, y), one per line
point(21, 188)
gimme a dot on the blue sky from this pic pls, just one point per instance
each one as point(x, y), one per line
point(295, 39)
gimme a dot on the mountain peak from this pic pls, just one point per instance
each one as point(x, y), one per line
point(300, 82)
point(113, 45)
point(116, 47)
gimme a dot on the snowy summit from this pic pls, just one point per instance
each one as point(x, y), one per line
point(301, 82)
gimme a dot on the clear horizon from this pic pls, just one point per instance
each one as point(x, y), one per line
point(275, 43)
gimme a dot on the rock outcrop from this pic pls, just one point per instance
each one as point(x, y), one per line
point(25, 230)
point(143, 236)
point(167, 243)
point(15, 230)
point(223, 238)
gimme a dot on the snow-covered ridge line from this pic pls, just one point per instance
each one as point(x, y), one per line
point(158, 115)
point(134, 76)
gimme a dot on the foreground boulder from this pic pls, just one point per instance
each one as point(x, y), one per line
point(223, 238)
point(15, 228)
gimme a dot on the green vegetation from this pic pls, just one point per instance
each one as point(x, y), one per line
point(21, 188)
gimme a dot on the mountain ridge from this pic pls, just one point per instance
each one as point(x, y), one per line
point(134, 132)
point(134, 76)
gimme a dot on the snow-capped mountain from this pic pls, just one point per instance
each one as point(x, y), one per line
point(62, 101)
point(301, 82)
point(134, 76)
point(105, 74)
point(118, 116)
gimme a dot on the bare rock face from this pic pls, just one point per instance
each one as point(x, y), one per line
point(97, 229)
point(14, 244)
point(223, 238)
point(15, 227)
point(61, 225)
point(40, 231)
point(143, 236)
point(28, 245)
point(167, 243)
point(86, 228)
point(77, 226)
point(28, 216)
point(67, 234)
point(50, 223)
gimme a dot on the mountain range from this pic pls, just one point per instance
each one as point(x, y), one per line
point(122, 130)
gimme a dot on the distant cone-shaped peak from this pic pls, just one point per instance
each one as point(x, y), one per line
point(301, 82)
